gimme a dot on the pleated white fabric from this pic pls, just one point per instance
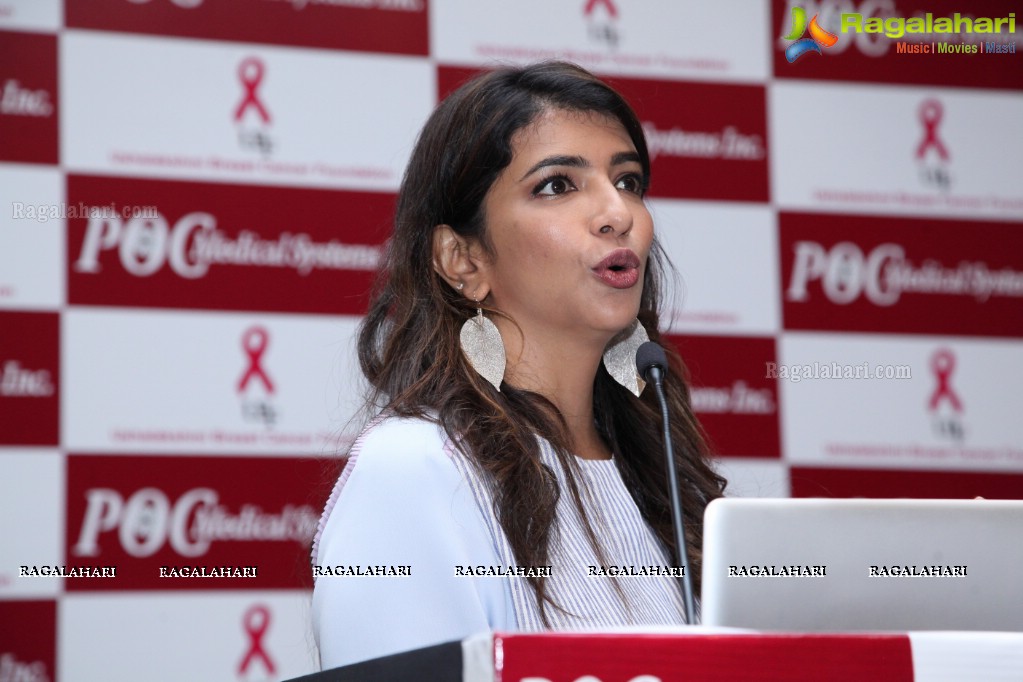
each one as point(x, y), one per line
point(589, 601)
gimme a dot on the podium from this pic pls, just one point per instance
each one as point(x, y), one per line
point(700, 654)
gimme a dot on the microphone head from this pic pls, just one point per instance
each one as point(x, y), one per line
point(650, 355)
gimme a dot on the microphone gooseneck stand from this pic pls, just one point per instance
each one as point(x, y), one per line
point(651, 361)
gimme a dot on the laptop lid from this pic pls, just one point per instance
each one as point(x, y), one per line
point(820, 565)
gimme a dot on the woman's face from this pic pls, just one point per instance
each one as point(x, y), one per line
point(569, 230)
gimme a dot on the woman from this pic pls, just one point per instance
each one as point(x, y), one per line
point(500, 345)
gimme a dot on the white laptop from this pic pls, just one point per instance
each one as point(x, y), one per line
point(826, 565)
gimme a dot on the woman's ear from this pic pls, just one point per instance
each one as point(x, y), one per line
point(460, 262)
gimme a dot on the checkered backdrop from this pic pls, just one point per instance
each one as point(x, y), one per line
point(193, 198)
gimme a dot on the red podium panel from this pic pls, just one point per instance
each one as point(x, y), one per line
point(674, 658)
point(699, 654)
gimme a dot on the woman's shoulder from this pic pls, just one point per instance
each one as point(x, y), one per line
point(403, 501)
point(400, 443)
point(394, 458)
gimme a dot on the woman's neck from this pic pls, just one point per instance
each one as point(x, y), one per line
point(564, 374)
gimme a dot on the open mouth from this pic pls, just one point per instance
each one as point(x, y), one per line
point(619, 269)
point(618, 260)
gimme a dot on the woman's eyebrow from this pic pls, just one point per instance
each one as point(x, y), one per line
point(625, 157)
point(571, 161)
point(579, 162)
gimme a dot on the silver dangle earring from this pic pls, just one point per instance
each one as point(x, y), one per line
point(483, 347)
point(620, 358)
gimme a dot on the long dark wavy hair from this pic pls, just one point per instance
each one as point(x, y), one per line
point(409, 340)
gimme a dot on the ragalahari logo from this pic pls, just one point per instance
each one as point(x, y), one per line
point(818, 36)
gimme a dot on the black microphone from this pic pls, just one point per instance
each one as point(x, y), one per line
point(652, 363)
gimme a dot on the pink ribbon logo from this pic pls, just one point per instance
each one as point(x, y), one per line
point(943, 362)
point(250, 73)
point(254, 343)
point(931, 113)
point(608, 4)
point(256, 622)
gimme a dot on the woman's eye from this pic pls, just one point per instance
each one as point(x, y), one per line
point(553, 186)
point(630, 183)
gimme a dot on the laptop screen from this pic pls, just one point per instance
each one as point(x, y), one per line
point(827, 565)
